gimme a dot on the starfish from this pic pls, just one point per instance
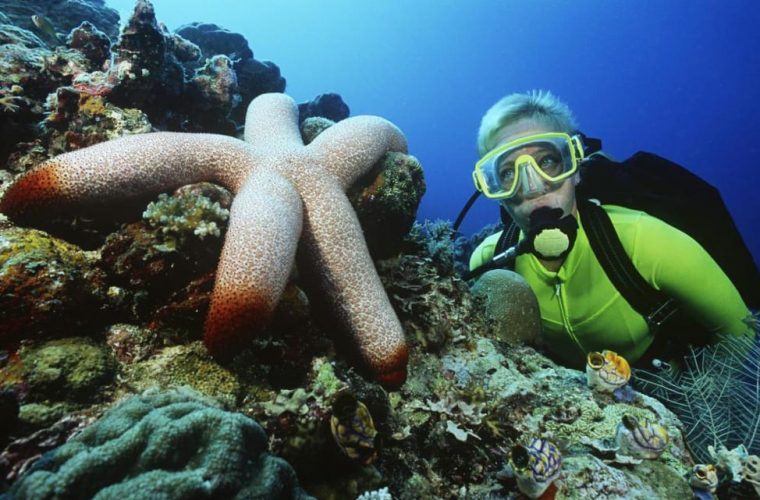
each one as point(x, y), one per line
point(287, 197)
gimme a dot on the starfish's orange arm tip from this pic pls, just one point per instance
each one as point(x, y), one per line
point(396, 376)
point(38, 187)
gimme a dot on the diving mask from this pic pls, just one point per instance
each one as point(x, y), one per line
point(527, 163)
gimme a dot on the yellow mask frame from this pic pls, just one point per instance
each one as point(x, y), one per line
point(484, 175)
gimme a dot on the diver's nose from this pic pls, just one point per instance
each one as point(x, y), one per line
point(531, 183)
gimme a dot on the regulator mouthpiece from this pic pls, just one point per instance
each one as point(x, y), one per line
point(552, 235)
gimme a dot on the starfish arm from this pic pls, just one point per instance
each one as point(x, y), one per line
point(334, 246)
point(256, 260)
point(352, 146)
point(271, 123)
point(127, 168)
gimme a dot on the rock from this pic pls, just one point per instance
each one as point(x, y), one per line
point(24, 451)
point(178, 241)
point(213, 39)
point(130, 343)
point(216, 86)
point(330, 106)
point(253, 77)
point(47, 287)
point(172, 444)
point(386, 202)
point(92, 43)
point(9, 410)
point(510, 305)
point(11, 34)
point(148, 75)
point(433, 307)
point(313, 126)
point(36, 416)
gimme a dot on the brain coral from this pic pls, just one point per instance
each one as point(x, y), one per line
point(171, 444)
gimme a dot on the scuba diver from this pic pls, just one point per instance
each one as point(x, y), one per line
point(606, 275)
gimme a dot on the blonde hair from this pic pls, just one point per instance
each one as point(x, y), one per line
point(540, 106)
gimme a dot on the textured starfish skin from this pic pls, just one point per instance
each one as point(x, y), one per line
point(285, 192)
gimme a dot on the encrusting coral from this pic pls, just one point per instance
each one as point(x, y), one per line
point(280, 187)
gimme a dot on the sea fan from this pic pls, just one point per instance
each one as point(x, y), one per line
point(716, 394)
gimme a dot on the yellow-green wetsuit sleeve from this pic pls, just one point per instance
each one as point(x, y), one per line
point(483, 253)
point(672, 261)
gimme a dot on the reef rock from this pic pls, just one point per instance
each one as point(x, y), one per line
point(92, 43)
point(47, 287)
point(330, 106)
point(71, 369)
point(148, 75)
point(253, 77)
point(178, 241)
point(173, 444)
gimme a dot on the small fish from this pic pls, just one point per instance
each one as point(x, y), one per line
point(704, 477)
point(46, 27)
point(641, 438)
point(607, 371)
point(353, 429)
point(535, 466)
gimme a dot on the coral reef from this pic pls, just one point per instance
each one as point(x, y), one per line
point(175, 444)
point(92, 43)
point(131, 309)
point(386, 201)
point(64, 15)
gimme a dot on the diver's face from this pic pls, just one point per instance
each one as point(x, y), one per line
point(542, 193)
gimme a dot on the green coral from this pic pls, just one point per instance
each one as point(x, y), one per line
point(186, 365)
point(173, 444)
point(178, 218)
point(71, 369)
point(39, 415)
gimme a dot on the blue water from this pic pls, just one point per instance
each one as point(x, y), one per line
point(677, 78)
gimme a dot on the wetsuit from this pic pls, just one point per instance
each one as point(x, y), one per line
point(581, 311)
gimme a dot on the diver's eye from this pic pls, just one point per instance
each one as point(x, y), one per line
point(551, 165)
point(507, 173)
